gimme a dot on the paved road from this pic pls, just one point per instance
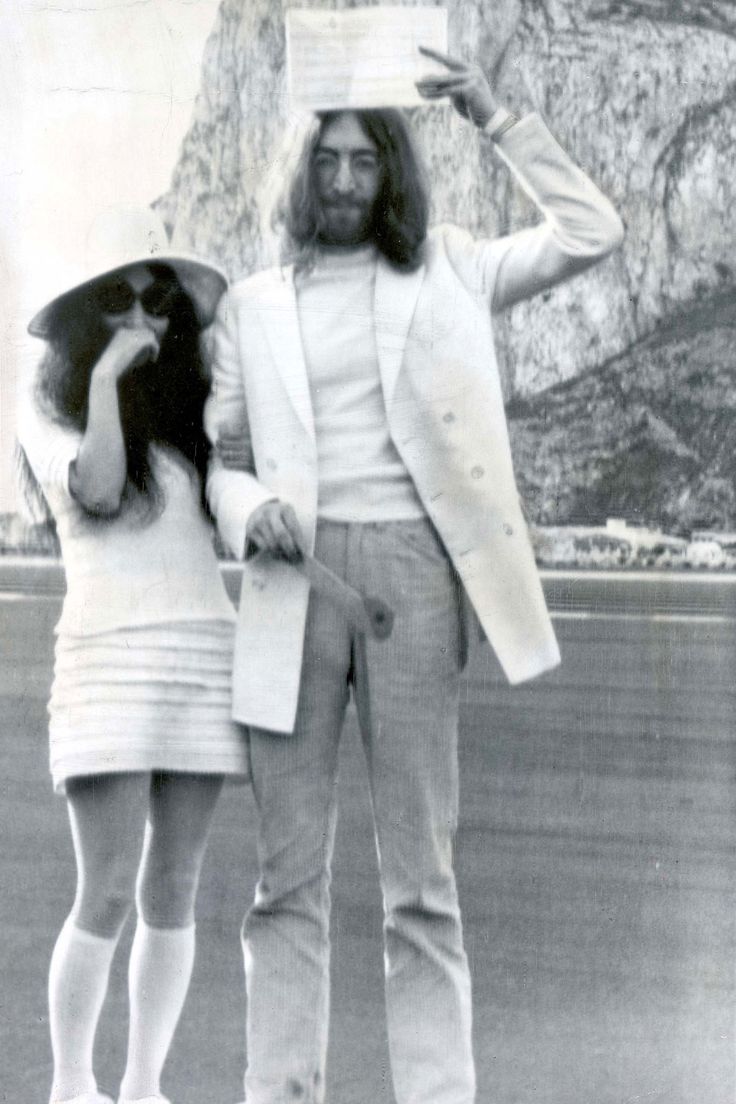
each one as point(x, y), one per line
point(596, 868)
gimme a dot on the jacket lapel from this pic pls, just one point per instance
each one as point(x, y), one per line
point(279, 316)
point(395, 299)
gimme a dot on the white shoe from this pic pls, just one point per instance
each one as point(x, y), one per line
point(86, 1098)
point(143, 1100)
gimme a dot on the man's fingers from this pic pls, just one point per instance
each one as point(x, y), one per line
point(451, 81)
point(260, 527)
point(284, 544)
point(276, 530)
point(434, 90)
point(279, 538)
point(466, 86)
point(294, 529)
point(445, 59)
point(261, 536)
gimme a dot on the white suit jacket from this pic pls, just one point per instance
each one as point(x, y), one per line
point(445, 413)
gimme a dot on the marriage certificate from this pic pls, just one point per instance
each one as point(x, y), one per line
point(360, 57)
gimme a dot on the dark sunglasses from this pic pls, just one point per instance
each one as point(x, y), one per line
point(117, 297)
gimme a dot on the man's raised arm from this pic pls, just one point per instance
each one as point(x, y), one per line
point(580, 225)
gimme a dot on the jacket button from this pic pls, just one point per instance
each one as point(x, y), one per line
point(271, 465)
point(508, 530)
point(477, 472)
point(449, 417)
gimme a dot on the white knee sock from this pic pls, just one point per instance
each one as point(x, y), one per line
point(161, 962)
point(80, 967)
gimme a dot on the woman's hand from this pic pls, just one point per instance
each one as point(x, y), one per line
point(465, 84)
point(97, 479)
point(128, 348)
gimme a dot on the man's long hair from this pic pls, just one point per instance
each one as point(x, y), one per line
point(160, 403)
point(401, 210)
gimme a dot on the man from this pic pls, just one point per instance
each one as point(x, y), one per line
point(365, 380)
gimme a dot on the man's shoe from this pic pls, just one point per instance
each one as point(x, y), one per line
point(143, 1100)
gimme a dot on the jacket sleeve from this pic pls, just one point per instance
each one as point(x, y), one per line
point(580, 226)
point(232, 495)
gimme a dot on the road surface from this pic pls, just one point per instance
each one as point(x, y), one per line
point(596, 862)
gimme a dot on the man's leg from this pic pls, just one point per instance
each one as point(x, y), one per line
point(286, 933)
point(412, 756)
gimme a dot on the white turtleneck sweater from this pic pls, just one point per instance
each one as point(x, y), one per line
point(361, 475)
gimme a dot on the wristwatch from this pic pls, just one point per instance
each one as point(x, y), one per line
point(500, 121)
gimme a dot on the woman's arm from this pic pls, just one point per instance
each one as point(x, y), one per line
point(98, 474)
point(50, 448)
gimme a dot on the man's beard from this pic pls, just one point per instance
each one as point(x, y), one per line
point(345, 222)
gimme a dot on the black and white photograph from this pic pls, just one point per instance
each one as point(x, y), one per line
point(368, 552)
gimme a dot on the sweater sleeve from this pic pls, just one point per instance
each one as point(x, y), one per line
point(579, 228)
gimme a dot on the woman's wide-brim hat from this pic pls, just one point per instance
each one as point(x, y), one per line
point(121, 237)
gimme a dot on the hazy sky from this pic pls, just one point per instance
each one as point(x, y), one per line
point(95, 97)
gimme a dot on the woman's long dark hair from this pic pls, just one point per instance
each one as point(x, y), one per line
point(401, 211)
point(160, 403)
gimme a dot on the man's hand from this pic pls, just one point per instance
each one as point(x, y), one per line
point(465, 84)
point(274, 527)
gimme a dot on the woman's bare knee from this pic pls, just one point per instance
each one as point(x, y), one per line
point(176, 840)
point(166, 894)
point(102, 913)
point(107, 818)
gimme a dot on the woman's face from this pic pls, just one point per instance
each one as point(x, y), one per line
point(135, 298)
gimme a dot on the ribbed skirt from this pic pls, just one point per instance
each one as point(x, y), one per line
point(147, 698)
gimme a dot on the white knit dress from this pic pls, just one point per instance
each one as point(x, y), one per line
point(142, 678)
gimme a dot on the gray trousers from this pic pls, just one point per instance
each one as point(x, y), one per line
point(411, 752)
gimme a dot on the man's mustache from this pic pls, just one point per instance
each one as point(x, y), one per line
point(344, 203)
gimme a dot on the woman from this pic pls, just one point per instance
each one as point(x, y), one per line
point(140, 730)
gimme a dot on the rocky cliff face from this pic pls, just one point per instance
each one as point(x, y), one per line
point(643, 95)
point(650, 436)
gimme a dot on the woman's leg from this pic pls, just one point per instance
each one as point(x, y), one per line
point(181, 809)
point(107, 814)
